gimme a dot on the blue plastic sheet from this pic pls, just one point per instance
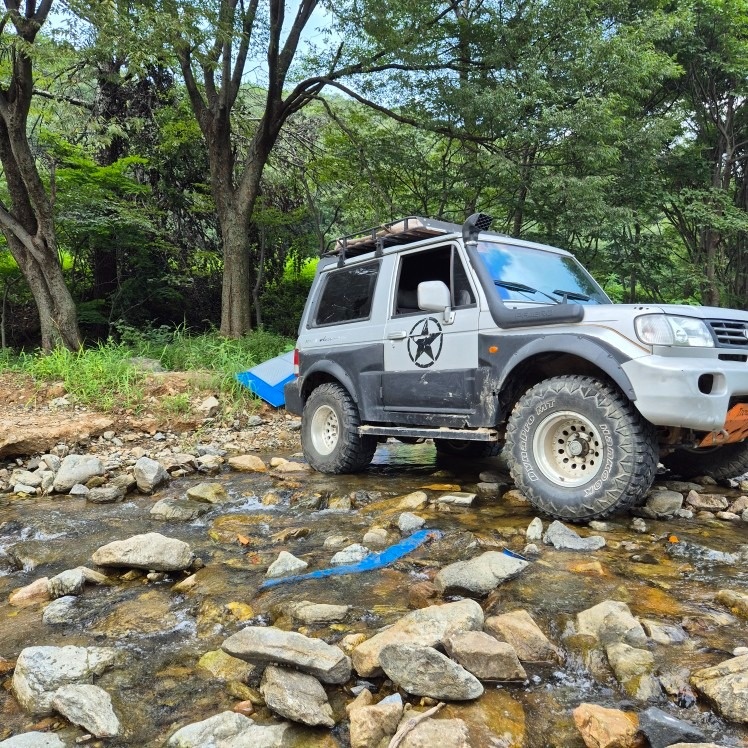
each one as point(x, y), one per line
point(370, 563)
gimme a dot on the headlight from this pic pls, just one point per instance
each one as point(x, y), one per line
point(664, 329)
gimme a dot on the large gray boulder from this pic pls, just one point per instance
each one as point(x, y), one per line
point(564, 538)
point(263, 645)
point(484, 656)
point(423, 671)
point(479, 575)
point(228, 730)
point(527, 639)
point(296, 696)
point(40, 671)
point(611, 621)
point(181, 510)
point(151, 551)
point(88, 706)
point(427, 627)
point(149, 474)
point(77, 469)
point(726, 686)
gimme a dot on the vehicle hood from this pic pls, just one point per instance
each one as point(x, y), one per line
point(606, 312)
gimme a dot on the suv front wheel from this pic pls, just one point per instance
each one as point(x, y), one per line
point(579, 450)
point(329, 432)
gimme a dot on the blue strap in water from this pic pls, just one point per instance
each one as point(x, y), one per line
point(371, 562)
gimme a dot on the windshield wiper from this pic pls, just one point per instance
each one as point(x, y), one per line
point(522, 288)
point(574, 295)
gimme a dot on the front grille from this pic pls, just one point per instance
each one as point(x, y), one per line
point(729, 333)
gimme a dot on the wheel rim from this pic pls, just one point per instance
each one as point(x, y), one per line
point(568, 449)
point(325, 430)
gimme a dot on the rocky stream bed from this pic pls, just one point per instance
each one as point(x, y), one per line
point(145, 600)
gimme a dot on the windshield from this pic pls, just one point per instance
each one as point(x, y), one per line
point(527, 274)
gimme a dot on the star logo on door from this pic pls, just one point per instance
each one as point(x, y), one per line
point(425, 342)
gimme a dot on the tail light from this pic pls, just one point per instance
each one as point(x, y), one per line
point(296, 361)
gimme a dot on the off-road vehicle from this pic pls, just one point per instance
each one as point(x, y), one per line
point(422, 329)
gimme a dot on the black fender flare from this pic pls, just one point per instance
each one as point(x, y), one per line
point(334, 370)
point(601, 355)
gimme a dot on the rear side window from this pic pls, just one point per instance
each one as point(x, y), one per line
point(347, 294)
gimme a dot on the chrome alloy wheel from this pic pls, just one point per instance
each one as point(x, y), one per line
point(568, 449)
point(325, 429)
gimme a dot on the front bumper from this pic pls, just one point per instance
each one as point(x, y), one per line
point(692, 393)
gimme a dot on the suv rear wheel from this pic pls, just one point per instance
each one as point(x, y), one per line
point(329, 432)
point(579, 450)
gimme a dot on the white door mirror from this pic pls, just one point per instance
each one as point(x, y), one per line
point(433, 296)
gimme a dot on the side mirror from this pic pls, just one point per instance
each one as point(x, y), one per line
point(433, 296)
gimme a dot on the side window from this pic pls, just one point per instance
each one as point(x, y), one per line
point(442, 264)
point(347, 294)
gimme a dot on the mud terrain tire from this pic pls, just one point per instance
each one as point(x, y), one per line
point(579, 450)
point(330, 438)
point(720, 463)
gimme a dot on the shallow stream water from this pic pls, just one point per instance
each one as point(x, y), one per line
point(164, 633)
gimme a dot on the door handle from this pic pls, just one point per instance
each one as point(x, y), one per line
point(397, 335)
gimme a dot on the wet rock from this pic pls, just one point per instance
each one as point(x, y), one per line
point(363, 698)
point(20, 488)
point(352, 554)
point(335, 541)
point(423, 671)
point(315, 613)
point(151, 551)
point(209, 463)
point(79, 490)
point(445, 733)
point(663, 503)
point(479, 575)
point(611, 621)
point(737, 602)
point(77, 469)
point(422, 594)
point(408, 523)
point(633, 669)
point(106, 495)
point(210, 493)
point(262, 645)
point(125, 481)
point(224, 667)
point(70, 582)
point(33, 740)
point(639, 525)
point(25, 477)
point(706, 501)
point(727, 516)
point(247, 464)
point(296, 696)
point(40, 671)
point(700, 554)
point(228, 730)
point(31, 594)
point(458, 498)
point(149, 474)
point(739, 505)
point(484, 656)
point(291, 466)
point(88, 706)
point(178, 509)
point(534, 530)
point(286, 563)
point(428, 627)
point(662, 730)
point(663, 633)
point(413, 501)
point(62, 610)
point(726, 686)
point(607, 728)
point(377, 536)
point(514, 497)
point(520, 630)
point(562, 537)
point(371, 724)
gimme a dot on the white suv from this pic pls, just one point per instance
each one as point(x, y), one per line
point(424, 329)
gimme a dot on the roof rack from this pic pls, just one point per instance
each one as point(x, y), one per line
point(402, 231)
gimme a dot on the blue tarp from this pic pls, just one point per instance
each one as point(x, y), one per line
point(267, 379)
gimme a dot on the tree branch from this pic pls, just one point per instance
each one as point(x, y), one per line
point(61, 97)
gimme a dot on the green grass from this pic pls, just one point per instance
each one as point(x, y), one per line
point(102, 376)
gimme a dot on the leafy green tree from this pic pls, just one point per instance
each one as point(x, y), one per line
point(27, 220)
